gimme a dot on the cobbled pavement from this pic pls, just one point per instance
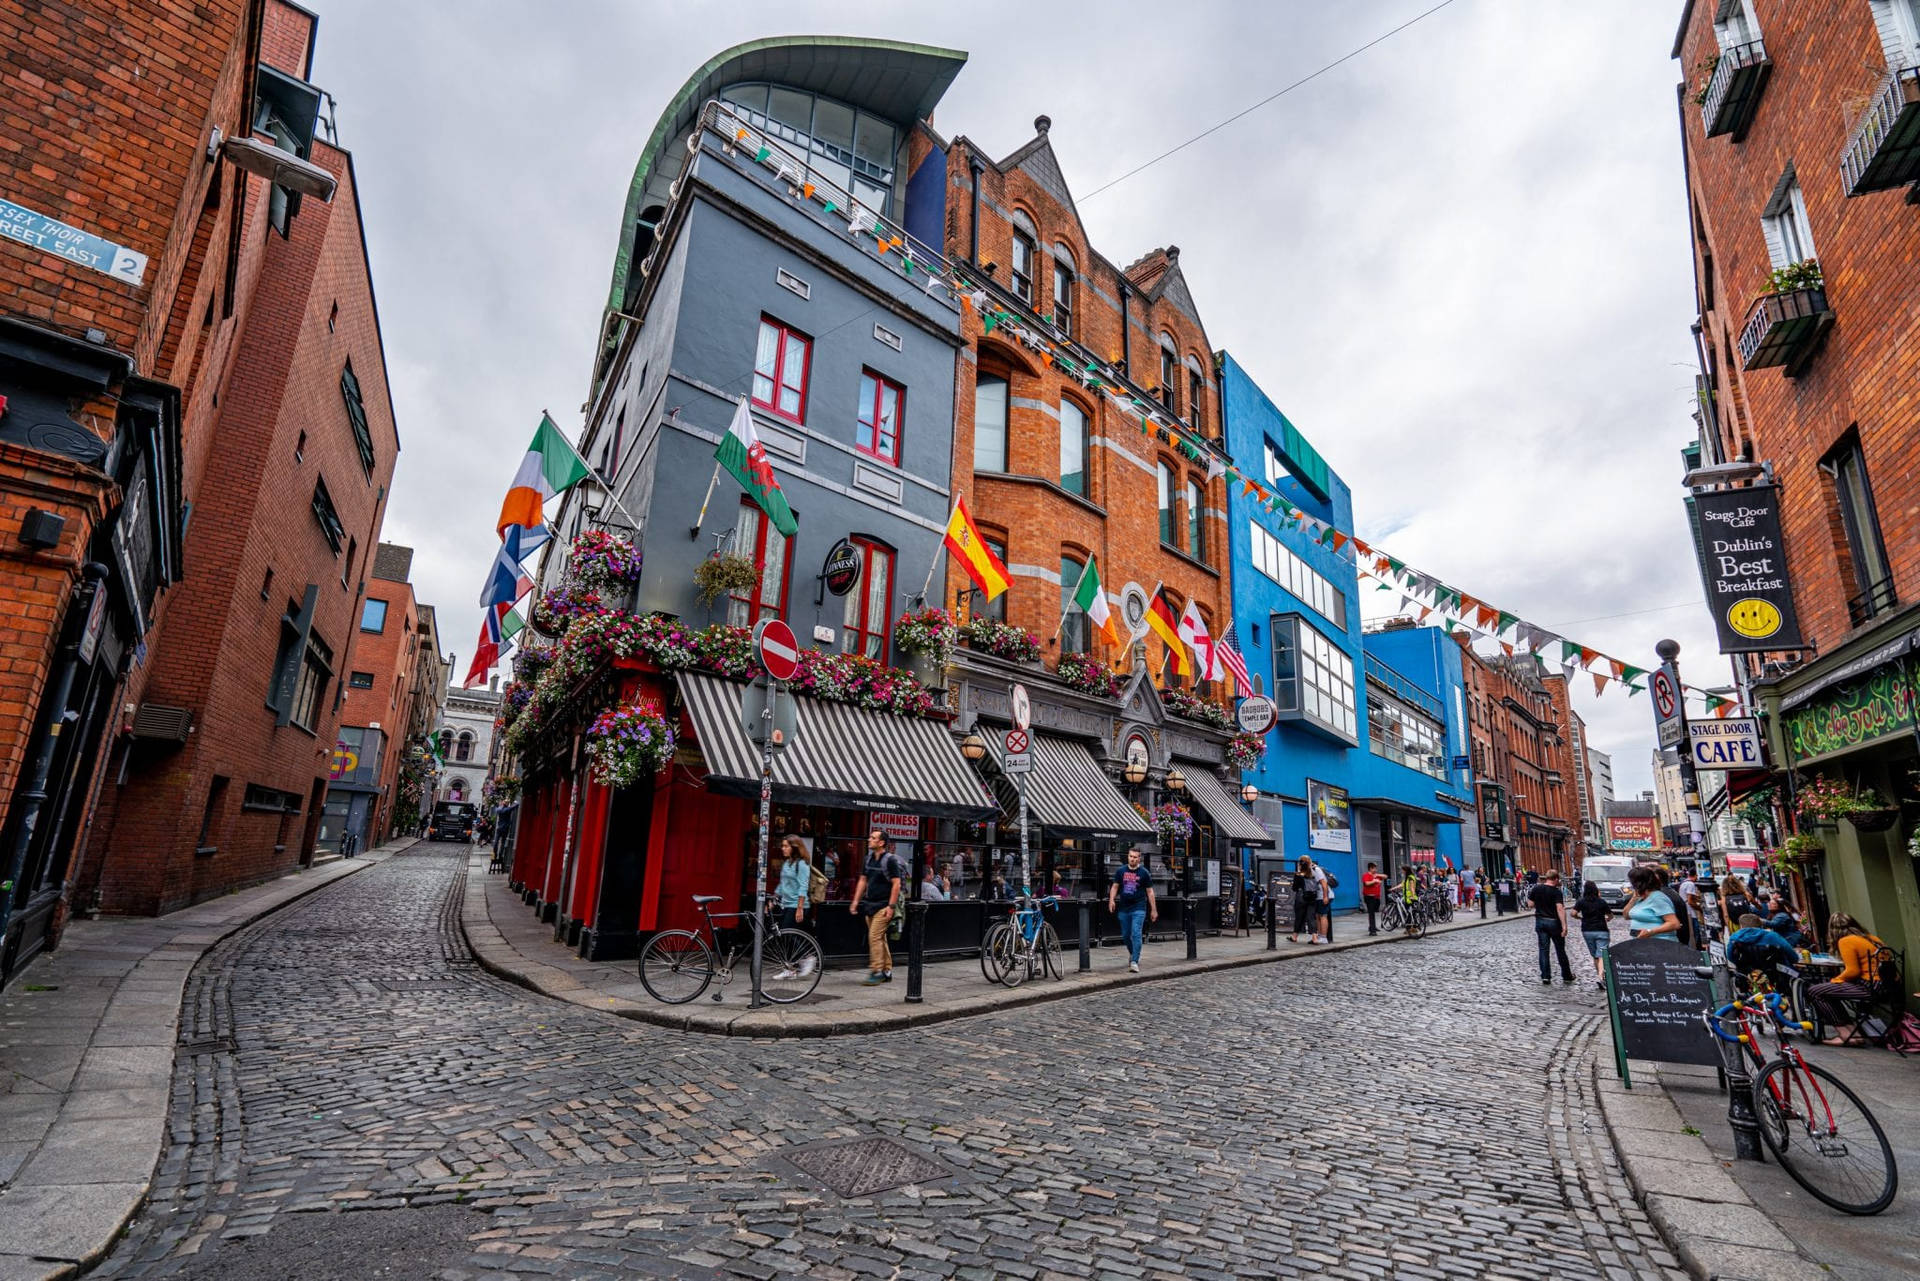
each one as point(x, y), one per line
point(1419, 1110)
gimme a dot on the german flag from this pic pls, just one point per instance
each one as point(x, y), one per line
point(964, 541)
point(1165, 624)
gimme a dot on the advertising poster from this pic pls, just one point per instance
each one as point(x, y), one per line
point(1329, 822)
point(1744, 562)
point(1632, 833)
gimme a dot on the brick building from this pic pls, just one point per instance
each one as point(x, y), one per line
point(1801, 130)
point(387, 710)
point(1520, 727)
point(131, 169)
point(288, 475)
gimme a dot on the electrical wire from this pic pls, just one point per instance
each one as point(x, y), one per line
point(1247, 111)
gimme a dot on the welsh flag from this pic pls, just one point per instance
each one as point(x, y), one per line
point(745, 459)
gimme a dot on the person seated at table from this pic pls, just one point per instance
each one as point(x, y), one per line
point(1059, 887)
point(1859, 955)
point(998, 892)
point(1755, 947)
point(1782, 921)
point(933, 887)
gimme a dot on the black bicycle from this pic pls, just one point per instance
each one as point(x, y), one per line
point(678, 965)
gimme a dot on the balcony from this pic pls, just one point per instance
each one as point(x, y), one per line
point(1432, 766)
point(1884, 150)
point(1783, 329)
point(1877, 599)
point(1733, 95)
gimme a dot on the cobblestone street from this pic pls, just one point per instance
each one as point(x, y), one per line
point(1413, 1110)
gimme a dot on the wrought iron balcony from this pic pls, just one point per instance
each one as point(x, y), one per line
point(1877, 599)
point(1884, 150)
point(1733, 95)
point(1782, 329)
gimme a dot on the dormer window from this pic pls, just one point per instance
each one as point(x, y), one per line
point(1024, 256)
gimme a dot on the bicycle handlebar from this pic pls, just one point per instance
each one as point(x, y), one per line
point(1771, 1004)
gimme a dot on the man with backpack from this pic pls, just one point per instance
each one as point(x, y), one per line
point(878, 900)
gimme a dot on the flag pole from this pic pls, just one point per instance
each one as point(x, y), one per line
point(702, 518)
point(938, 548)
point(1082, 582)
point(606, 483)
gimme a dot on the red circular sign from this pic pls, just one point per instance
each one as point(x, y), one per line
point(778, 651)
point(1664, 699)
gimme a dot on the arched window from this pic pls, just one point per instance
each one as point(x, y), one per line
point(457, 790)
point(1169, 375)
point(869, 616)
point(1196, 519)
point(1073, 447)
point(463, 746)
point(446, 743)
point(1196, 396)
point(1168, 529)
point(1075, 631)
point(1025, 259)
point(1063, 286)
point(990, 423)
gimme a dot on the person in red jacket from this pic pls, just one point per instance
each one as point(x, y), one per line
point(1372, 889)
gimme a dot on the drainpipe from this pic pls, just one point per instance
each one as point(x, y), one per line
point(34, 796)
point(973, 221)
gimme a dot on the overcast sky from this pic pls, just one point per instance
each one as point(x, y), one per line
point(1459, 261)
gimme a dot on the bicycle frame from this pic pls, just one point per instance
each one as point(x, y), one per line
point(1780, 1023)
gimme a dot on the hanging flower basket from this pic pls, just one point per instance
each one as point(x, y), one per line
point(1172, 822)
point(1194, 708)
point(629, 743)
point(724, 574)
point(1796, 850)
point(1827, 800)
point(1090, 676)
point(1245, 750)
point(1913, 844)
point(927, 634)
point(1002, 640)
point(1875, 819)
point(560, 607)
point(602, 561)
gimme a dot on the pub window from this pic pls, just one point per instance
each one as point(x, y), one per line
point(1169, 375)
point(780, 370)
point(754, 536)
point(1168, 529)
point(1021, 278)
point(1872, 574)
point(1197, 401)
point(1073, 448)
point(990, 423)
point(996, 609)
point(1063, 282)
point(868, 619)
point(876, 431)
point(1196, 521)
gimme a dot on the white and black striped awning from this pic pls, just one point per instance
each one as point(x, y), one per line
point(1228, 818)
point(1069, 793)
point(841, 755)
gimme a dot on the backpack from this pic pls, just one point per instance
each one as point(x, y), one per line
point(1903, 1038)
point(1333, 882)
point(816, 885)
point(1685, 918)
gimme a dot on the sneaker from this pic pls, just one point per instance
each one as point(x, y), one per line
point(872, 980)
point(1567, 979)
point(1548, 982)
point(806, 967)
point(783, 976)
point(886, 976)
point(1133, 967)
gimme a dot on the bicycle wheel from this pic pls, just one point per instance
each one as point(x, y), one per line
point(1446, 910)
point(990, 950)
point(1416, 923)
point(1014, 954)
point(675, 966)
point(1049, 945)
point(789, 966)
point(1391, 914)
point(1824, 1136)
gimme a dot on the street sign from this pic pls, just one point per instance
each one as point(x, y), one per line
point(779, 730)
point(1669, 713)
point(1019, 755)
point(776, 648)
point(82, 248)
point(1022, 706)
point(1729, 743)
point(841, 568)
point(1256, 714)
point(1017, 740)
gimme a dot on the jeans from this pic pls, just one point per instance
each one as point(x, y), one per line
point(1133, 928)
point(785, 918)
point(1543, 931)
point(1596, 941)
point(1373, 914)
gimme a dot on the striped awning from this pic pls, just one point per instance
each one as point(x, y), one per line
point(841, 755)
point(1069, 793)
point(1211, 796)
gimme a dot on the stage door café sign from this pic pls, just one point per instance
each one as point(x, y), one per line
point(1744, 562)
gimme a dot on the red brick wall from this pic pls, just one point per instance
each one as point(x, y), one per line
point(1119, 521)
point(1827, 59)
point(252, 485)
point(392, 657)
point(1511, 750)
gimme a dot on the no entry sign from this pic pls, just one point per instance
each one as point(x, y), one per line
point(776, 648)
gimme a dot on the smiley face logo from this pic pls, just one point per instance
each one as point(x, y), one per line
point(1754, 618)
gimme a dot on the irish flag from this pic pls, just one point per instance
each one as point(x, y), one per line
point(1092, 601)
point(551, 466)
point(745, 459)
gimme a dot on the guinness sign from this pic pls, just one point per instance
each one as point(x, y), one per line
point(841, 570)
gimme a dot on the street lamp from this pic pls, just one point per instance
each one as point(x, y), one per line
point(1135, 772)
point(1176, 781)
point(1249, 794)
point(973, 747)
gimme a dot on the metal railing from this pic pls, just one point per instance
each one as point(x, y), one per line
point(1891, 123)
point(1725, 74)
point(1877, 599)
point(1776, 324)
point(1403, 689)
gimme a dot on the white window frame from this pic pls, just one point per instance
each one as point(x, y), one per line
point(1784, 224)
point(1898, 22)
point(1734, 24)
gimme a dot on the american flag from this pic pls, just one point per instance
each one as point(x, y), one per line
point(1227, 656)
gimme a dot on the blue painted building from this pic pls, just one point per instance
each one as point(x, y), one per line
point(1357, 769)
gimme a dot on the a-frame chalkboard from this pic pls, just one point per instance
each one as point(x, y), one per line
point(1655, 1002)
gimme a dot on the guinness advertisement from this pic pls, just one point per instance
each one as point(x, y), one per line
point(1743, 563)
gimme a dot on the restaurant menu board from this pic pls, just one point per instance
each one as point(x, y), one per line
point(1229, 901)
point(1655, 1001)
point(1280, 894)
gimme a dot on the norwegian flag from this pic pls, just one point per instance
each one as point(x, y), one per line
point(1226, 654)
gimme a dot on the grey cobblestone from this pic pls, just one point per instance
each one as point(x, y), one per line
point(1414, 1111)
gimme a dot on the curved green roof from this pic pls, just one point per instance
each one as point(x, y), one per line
point(890, 78)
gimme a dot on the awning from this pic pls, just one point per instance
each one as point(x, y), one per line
point(1069, 793)
point(1238, 825)
point(841, 755)
point(1391, 805)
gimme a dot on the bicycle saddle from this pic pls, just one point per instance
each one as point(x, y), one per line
point(704, 899)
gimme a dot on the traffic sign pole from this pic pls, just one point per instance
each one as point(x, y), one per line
point(766, 815)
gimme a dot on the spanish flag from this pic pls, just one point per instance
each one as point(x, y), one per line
point(964, 541)
point(551, 466)
point(1161, 620)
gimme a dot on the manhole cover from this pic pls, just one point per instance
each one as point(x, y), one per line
point(865, 1166)
point(416, 985)
point(207, 1045)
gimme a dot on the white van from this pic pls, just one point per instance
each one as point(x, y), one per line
point(1609, 872)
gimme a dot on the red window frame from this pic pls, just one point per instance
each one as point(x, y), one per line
point(779, 376)
point(867, 416)
point(758, 609)
point(859, 634)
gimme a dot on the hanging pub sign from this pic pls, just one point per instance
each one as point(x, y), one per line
point(841, 569)
point(1743, 562)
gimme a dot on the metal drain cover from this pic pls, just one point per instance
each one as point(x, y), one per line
point(416, 985)
point(862, 1167)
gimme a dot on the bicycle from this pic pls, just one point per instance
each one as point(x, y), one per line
point(1020, 943)
point(1817, 1129)
point(678, 965)
point(1410, 918)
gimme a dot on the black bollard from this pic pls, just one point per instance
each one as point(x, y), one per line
point(1192, 927)
point(1086, 935)
point(1741, 1118)
point(1273, 926)
point(916, 948)
point(1483, 902)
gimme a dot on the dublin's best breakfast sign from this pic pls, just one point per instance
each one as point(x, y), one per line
point(1744, 563)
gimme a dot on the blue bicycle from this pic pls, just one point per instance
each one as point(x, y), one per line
point(1022, 944)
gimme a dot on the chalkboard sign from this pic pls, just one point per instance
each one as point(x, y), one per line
point(1655, 1000)
point(1229, 900)
point(1280, 893)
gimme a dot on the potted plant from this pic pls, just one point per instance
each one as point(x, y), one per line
point(1871, 812)
point(1195, 708)
point(1913, 844)
point(725, 574)
point(1002, 640)
point(629, 743)
point(1795, 276)
point(1089, 675)
point(1172, 822)
point(1798, 849)
point(1823, 800)
point(928, 638)
point(1708, 65)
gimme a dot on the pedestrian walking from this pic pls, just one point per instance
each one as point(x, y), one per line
point(1594, 915)
point(1650, 913)
point(1130, 899)
point(1735, 903)
point(878, 899)
point(793, 895)
point(1550, 925)
point(1373, 888)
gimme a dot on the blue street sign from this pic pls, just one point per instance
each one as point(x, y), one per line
point(50, 235)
